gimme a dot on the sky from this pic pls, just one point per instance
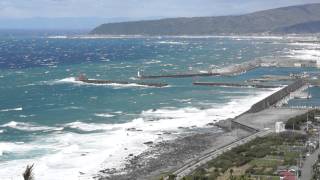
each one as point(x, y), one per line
point(136, 8)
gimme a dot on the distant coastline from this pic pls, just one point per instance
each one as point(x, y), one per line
point(302, 19)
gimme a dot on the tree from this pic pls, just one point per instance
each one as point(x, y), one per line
point(231, 172)
point(172, 177)
point(28, 173)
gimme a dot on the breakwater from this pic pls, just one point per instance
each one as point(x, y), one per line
point(178, 75)
point(232, 85)
point(277, 96)
point(91, 81)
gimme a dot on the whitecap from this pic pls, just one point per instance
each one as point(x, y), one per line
point(104, 115)
point(23, 126)
point(305, 54)
point(57, 37)
point(12, 109)
point(72, 108)
point(172, 42)
point(152, 62)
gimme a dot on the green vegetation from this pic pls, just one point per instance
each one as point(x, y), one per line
point(260, 157)
point(316, 169)
point(296, 122)
point(299, 19)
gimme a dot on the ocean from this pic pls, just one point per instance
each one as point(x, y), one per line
point(71, 130)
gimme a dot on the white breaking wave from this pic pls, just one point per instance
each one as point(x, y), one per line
point(6, 147)
point(29, 127)
point(305, 54)
point(172, 42)
point(152, 62)
point(13, 109)
point(308, 51)
point(75, 156)
point(104, 115)
point(57, 37)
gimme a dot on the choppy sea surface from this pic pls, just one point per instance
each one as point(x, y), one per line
point(71, 130)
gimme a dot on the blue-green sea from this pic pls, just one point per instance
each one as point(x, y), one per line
point(71, 130)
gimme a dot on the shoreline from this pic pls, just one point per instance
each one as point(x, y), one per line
point(166, 157)
point(162, 158)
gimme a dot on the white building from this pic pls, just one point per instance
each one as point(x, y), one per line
point(280, 127)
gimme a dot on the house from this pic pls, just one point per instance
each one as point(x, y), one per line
point(280, 127)
point(295, 170)
point(287, 175)
point(281, 169)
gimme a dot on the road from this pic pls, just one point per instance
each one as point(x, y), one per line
point(192, 165)
point(306, 171)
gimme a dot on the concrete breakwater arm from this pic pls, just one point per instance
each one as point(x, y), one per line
point(233, 85)
point(277, 96)
point(92, 81)
point(226, 71)
point(178, 75)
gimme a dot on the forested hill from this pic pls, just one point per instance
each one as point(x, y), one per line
point(280, 20)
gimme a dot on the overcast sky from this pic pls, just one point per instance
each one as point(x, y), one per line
point(135, 8)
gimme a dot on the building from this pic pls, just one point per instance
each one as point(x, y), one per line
point(287, 175)
point(280, 127)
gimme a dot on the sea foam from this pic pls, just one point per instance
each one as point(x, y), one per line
point(76, 156)
point(23, 126)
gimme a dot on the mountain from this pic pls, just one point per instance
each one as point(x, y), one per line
point(302, 28)
point(273, 20)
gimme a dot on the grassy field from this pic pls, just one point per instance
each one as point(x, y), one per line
point(259, 157)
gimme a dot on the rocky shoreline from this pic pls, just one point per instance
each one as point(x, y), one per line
point(162, 158)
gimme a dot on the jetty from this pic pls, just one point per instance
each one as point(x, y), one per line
point(232, 85)
point(178, 75)
point(273, 99)
point(82, 78)
point(236, 69)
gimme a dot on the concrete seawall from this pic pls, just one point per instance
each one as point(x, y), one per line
point(224, 84)
point(276, 97)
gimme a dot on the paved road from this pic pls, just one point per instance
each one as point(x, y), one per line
point(191, 166)
point(306, 171)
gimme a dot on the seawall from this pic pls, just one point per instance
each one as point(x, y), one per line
point(224, 84)
point(275, 97)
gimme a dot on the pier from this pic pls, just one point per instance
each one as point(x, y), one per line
point(237, 69)
point(232, 85)
point(277, 96)
point(178, 75)
point(91, 81)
